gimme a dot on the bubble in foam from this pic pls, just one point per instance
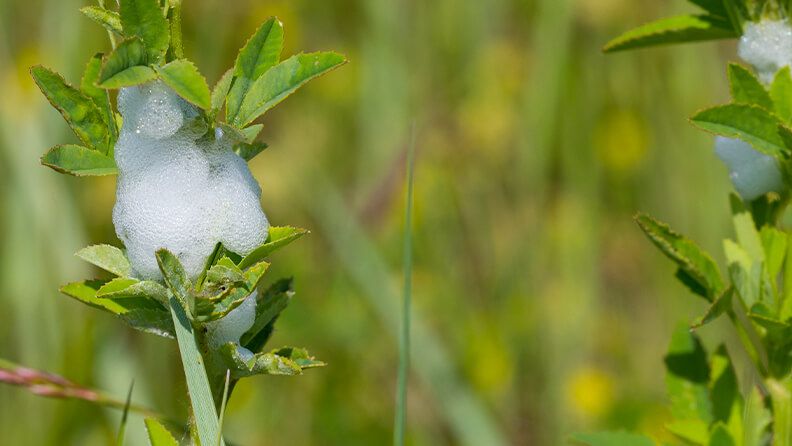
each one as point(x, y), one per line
point(178, 189)
point(767, 46)
point(752, 173)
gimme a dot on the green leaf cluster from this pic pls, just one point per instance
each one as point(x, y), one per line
point(146, 40)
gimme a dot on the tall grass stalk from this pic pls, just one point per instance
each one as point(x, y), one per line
point(404, 339)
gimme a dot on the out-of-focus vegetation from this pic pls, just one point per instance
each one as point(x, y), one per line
point(539, 309)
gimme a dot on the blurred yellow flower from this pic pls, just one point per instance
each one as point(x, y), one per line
point(589, 392)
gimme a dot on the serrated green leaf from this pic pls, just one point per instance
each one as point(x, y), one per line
point(185, 79)
point(279, 236)
point(138, 289)
point(283, 79)
point(260, 53)
point(299, 356)
point(175, 278)
point(157, 322)
point(225, 274)
point(249, 151)
point(746, 88)
point(252, 132)
point(269, 305)
point(687, 255)
point(110, 20)
point(158, 435)
point(612, 439)
point(126, 66)
point(681, 29)
point(781, 92)
point(79, 111)
point(109, 258)
point(213, 309)
point(79, 161)
point(721, 305)
point(220, 90)
point(86, 292)
point(232, 132)
point(260, 364)
point(144, 19)
point(749, 123)
point(100, 97)
point(115, 285)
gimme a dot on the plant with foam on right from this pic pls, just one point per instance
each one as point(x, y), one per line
point(187, 209)
point(712, 401)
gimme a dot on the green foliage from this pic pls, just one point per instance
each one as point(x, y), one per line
point(110, 20)
point(260, 53)
point(283, 361)
point(746, 88)
point(158, 435)
point(695, 263)
point(688, 28)
point(126, 66)
point(282, 80)
point(749, 123)
point(144, 19)
point(79, 111)
point(109, 258)
point(183, 77)
point(279, 236)
point(78, 161)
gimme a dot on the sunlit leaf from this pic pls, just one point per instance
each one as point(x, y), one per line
point(690, 258)
point(185, 79)
point(249, 151)
point(79, 111)
point(283, 79)
point(681, 29)
point(749, 123)
point(107, 257)
point(110, 20)
point(746, 88)
point(158, 435)
point(781, 92)
point(144, 19)
point(88, 85)
point(220, 90)
point(260, 53)
point(126, 66)
point(79, 161)
point(279, 236)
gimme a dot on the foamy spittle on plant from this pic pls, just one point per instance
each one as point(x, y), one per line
point(196, 240)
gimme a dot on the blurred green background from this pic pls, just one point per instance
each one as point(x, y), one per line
point(540, 310)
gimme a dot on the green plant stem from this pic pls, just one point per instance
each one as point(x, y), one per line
point(404, 339)
point(201, 399)
point(176, 50)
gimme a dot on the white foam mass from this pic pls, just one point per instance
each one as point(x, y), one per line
point(233, 325)
point(176, 189)
point(752, 173)
point(767, 46)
